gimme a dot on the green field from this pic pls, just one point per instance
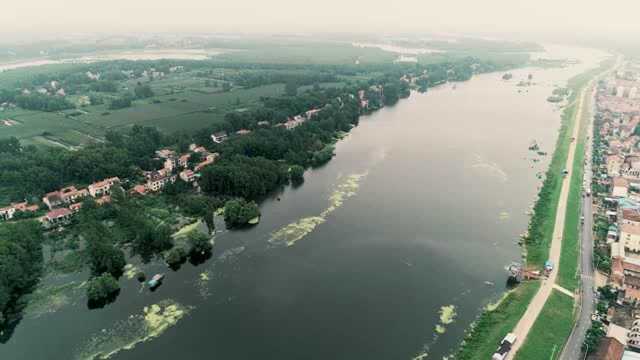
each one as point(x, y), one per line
point(187, 110)
point(550, 331)
point(493, 324)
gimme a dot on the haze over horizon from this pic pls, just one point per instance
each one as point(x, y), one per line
point(513, 18)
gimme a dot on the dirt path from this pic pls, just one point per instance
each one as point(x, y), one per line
point(535, 307)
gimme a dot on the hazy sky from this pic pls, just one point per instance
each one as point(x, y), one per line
point(577, 17)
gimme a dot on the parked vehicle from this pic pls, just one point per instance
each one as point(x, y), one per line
point(504, 348)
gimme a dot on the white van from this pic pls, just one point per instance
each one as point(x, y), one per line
point(505, 347)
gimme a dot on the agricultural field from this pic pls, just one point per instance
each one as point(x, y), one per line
point(181, 102)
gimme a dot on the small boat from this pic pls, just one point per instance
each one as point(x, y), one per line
point(156, 280)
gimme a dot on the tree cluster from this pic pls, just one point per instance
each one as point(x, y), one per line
point(42, 102)
point(20, 267)
point(239, 212)
point(242, 176)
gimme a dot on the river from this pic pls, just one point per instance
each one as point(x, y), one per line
point(387, 252)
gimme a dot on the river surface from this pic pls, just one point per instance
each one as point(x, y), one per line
point(387, 252)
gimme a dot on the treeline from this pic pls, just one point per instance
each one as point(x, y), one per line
point(20, 270)
point(251, 79)
point(40, 102)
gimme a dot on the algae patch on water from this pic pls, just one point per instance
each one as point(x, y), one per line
point(202, 283)
point(126, 334)
point(130, 271)
point(290, 234)
point(447, 316)
point(50, 299)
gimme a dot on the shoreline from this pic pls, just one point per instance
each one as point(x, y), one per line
point(481, 344)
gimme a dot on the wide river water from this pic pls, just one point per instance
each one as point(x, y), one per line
point(388, 252)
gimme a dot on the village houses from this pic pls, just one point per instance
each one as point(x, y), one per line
point(8, 212)
point(103, 187)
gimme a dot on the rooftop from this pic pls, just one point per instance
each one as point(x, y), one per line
point(630, 229)
point(631, 215)
point(620, 181)
point(58, 213)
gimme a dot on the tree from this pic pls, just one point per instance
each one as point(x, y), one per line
point(593, 336)
point(121, 102)
point(240, 212)
point(103, 256)
point(296, 173)
point(176, 257)
point(150, 240)
point(10, 145)
point(291, 88)
point(199, 244)
point(102, 289)
point(143, 91)
point(20, 267)
point(323, 156)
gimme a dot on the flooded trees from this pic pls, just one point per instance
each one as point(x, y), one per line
point(240, 212)
point(176, 257)
point(102, 290)
point(296, 174)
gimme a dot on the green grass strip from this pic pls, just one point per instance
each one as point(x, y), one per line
point(550, 331)
point(543, 220)
point(494, 323)
point(568, 271)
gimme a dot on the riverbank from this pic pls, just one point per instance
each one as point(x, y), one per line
point(541, 228)
point(495, 321)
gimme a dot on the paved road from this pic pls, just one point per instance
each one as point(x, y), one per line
point(573, 347)
point(537, 303)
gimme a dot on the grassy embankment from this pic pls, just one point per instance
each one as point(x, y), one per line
point(550, 331)
point(570, 253)
point(497, 320)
